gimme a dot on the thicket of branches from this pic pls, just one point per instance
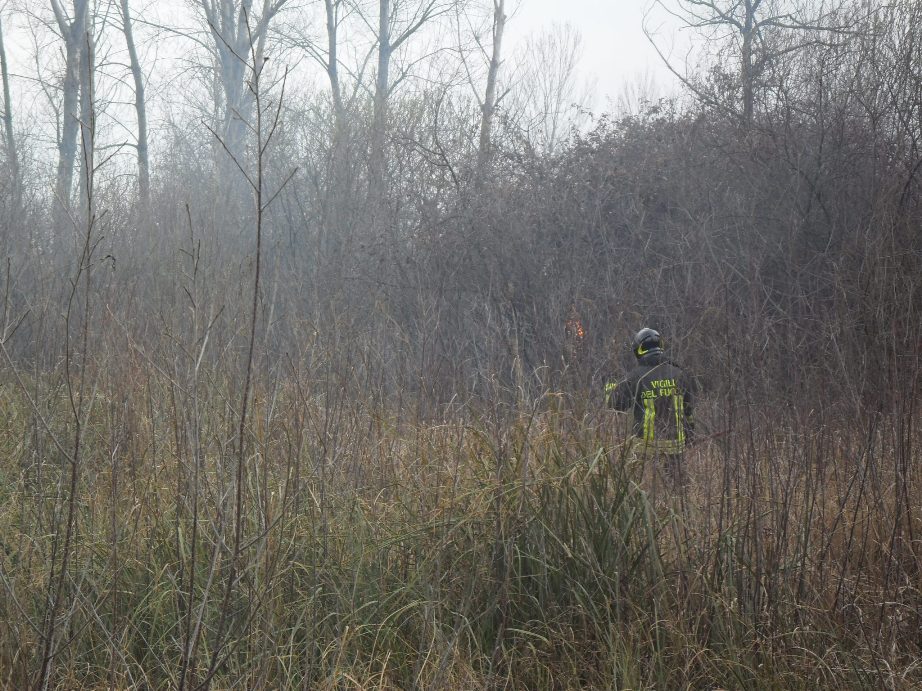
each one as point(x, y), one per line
point(787, 234)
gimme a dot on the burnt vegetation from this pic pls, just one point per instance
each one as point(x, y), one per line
point(301, 378)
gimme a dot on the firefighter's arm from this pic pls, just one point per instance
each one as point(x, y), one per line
point(617, 395)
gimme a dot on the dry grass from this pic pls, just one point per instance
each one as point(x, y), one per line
point(506, 550)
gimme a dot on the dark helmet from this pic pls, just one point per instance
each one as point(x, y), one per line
point(647, 341)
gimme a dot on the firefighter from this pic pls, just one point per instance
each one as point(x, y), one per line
point(660, 395)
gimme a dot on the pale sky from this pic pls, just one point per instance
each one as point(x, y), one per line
point(615, 50)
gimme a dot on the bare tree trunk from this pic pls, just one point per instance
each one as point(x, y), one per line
point(237, 33)
point(379, 124)
point(236, 113)
point(334, 235)
point(397, 23)
point(11, 153)
point(67, 144)
point(333, 63)
point(140, 106)
point(73, 31)
point(746, 75)
point(87, 116)
point(488, 108)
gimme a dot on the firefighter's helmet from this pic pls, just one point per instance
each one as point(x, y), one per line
point(646, 341)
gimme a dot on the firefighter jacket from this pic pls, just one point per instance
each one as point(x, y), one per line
point(660, 395)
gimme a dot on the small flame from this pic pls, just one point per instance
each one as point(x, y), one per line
point(575, 329)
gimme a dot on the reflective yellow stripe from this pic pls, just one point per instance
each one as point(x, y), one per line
point(649, 417)
point(678, 404)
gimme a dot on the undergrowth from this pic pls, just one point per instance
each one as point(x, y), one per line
point(507, 550)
